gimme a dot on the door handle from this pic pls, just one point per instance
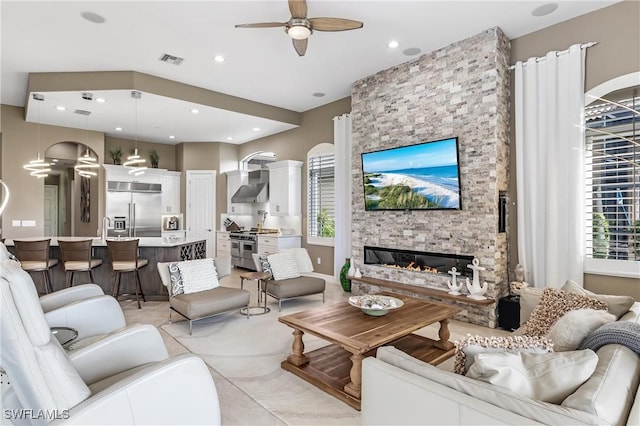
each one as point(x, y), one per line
point(208, 230)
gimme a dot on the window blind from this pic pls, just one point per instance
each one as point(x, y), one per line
point(612, 181)
point(321, 194)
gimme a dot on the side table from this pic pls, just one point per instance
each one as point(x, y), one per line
point(65, 335)
point(509, 312)
point(260, 278)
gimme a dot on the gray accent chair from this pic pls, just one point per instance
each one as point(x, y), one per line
point(291, 288)
point(208, 303)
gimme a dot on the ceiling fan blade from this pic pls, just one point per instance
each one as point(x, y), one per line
point(300, 46)
point(262, 25)
point(334, 24)
point(298, 8)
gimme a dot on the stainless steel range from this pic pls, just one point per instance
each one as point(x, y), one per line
point(244, 244)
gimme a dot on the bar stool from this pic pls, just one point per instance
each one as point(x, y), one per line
point(76, 257)
point(34, 256)
point(124, 258)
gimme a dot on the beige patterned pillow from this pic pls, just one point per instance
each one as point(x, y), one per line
point(467, 348)
point(553, 304)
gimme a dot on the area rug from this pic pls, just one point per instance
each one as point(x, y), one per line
point(248, 353)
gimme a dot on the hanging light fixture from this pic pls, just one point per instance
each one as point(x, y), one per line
point(85, 162)
point(5, 196)
point(38, 167)
point(135, 163)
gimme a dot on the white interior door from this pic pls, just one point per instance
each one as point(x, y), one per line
point(50, 211)
point(201, 207)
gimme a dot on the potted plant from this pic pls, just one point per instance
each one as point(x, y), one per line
point(116, 155)
point(153, 158)
point(601, 236)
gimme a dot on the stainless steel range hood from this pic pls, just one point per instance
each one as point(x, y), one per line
point(256, 191)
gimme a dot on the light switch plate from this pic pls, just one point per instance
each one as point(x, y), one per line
point(29, 223)
point(16, 223)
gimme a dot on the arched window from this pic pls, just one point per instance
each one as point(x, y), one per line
point(612, 166)
point(257, 160)
point(321, 194)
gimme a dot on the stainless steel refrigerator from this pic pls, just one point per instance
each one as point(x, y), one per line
point(134, 209)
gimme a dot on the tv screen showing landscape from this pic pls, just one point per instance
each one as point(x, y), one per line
point(424, 176)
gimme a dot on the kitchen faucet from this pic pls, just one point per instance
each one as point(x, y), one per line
point(105, 220)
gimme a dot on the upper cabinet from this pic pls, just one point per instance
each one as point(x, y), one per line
point(285, 188)
point(235, 179)
point(171, 192)
point(169, 180)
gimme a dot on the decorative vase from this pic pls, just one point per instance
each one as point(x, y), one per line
point(344, 271)
point(357, 274)
point(352, 270)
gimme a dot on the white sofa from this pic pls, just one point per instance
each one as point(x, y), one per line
point(398, 389)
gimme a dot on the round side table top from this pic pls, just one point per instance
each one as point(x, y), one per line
point(255, 275)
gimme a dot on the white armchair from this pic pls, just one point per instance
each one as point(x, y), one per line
point(125, 378)
point(84, 308)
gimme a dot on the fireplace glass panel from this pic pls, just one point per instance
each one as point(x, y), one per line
point(418, 261)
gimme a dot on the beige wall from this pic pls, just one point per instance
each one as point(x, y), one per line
point(316, 127)
point(21, 143)
point(616, 29)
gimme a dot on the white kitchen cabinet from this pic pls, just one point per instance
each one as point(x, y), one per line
point(223, 244)
point(235, 179)
point(285, 188)
point(269, 244)
point(171, 192)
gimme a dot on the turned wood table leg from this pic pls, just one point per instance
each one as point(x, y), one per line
point(298, 357)
point(354, 387)
point(444, 335)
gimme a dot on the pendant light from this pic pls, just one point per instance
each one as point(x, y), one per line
point(134, 162)
point(38, 167)
point(85, 162)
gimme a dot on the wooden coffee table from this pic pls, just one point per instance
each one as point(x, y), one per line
point(337, 368)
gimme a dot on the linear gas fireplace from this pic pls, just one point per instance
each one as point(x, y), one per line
point(419, 261)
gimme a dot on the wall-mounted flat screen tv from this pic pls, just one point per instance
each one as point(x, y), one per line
point(415, 177)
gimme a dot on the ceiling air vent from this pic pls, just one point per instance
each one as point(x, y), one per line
point(82, 112)
point(170, 59)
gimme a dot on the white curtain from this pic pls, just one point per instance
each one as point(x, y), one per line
point(342, 144)
point(549, 104)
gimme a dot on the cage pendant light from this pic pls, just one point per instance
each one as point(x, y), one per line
point(85, 162)
point(38, 167)
point(135, 163)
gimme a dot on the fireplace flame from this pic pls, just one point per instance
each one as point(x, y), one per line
point(413, 267)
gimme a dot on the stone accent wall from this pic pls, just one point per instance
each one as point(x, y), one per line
point(461, 90)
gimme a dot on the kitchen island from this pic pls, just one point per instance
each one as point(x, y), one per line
point(154, 249)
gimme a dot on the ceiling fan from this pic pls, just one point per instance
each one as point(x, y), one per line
point(299, 27)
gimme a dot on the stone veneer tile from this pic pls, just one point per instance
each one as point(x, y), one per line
point(460, 90)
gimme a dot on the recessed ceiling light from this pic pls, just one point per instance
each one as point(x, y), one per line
point(118, 129)
point(393, 44)
point(93, 17)
point(194, 111)
point(101, 100)
point(55, 160)
point(411, 51)
point(545, 9)
point(229, 138)
point(218, 58)
point(172, 137)
point(61, 108)
point(318, 94)
point(256, 129)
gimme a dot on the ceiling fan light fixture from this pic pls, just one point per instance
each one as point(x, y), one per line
point(298, 29)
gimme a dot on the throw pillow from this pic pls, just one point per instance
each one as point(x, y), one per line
point(574, 326)
point(617, 305)
point(467, 348)
point(553, 304)
point(625, 333)
point(177, 285)
point(283, 265)
point(549, 377)
point(529, 299)
point(303, 261)
point(198, 275)
point(264, 264)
